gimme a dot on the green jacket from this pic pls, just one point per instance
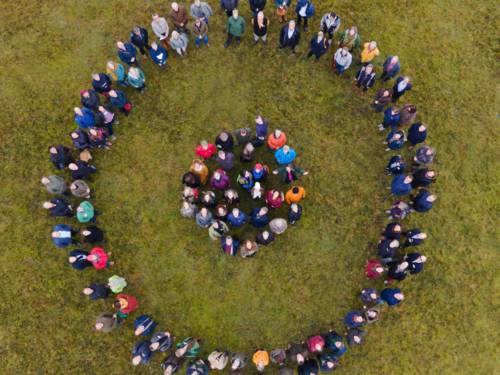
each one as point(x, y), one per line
point(236, 26)
point(348, 41)
point(85, 212)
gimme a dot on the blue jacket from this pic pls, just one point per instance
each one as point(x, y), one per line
point(62, 208)
point(309, 9)
point(391, 119)
point(165, 341)
point(147, 322)
point(84, 170)
point(413, 266)
point(395, 90)
point(81, 259)
point(309, 367)
point(159, 56)
point(197, 368)
point(62, 242)
point(399, 187)
point(258, 221)
point(367, 298)
point(365, 80)
point(284, 159)
point(141, 40)
point(387, 296)
point(259, 175)
point(279, 3)
point(420, 203)
point(348, 319)
point(415, 136)
point(396, 165)
point(128, 56)
point(142, 349)
point(294, 216)
point(82, 141)
point(331, 338)
point(318, 48)
point(87, 120)
point(289, 42)
point(237, 221)
point(395, 144)
point(119, 101)
point(100, 291)
point(410, 240)
point(261, 129)
point(395, 69)
point(62, 158)
point(103, 85)
point(324, 358)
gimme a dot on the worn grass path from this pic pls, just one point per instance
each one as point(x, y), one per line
point(306, 281)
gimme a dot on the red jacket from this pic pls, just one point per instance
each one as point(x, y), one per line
point(206, 153)
point(370, 266)
point(274, 203)
point(102, 258)
point(132, 303)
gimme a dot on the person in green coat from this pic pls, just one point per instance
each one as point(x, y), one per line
point(235, 28)
point(187, 348)
point(136, 79)
point(350, 38)
point(85, 212)
point(117, 284)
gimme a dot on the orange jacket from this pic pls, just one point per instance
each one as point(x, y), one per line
point(276, 143)
point(292, 197)
point(202, 174)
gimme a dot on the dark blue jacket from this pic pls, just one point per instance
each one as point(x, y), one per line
point(413, 266)
point(87, 120)
point(229, 5)
point(62, 208)
point(395, 69)
point(331, 338)
point(395, 92)
point(365, 80)
point(309, 10)
point(420, 178)
point(100, 291)
point(258, 221)
point(391, 119)
point(92, 102)
point(385, 251)
point(155, 55)
point(142, 349)
point(415, 136)
point(237, 221)
point(318, 48)
point(294, 216)
point(62, 158)
point(103, 85)
point(395, 144)
point(81, 259)
point(257, 5)
point(399, 187)
point(165, 341)
point(366, 296)
point(348, 319)
point(261, 129)
point(289, 42)
point(396, 165)
point(410, 240)
point(387, 296)
point(128, 56)
point(420, 203)
point(309, 367)
point(394, 273)
point(389, 231)
point(84, 170)
point(279, 3)
point(147, 322)
point(141, 40)
point(119, 101)
point(82, 141)
point(259, 238)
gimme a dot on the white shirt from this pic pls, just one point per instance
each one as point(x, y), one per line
point(302, 11)
point(290, 33)
point(64, 234)
point(401, 85)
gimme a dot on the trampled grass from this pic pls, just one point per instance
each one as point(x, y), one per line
point(307, 280)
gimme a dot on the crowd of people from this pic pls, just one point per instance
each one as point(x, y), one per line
point(217, 209)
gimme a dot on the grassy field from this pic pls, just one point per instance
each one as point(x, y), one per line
point(304, 283)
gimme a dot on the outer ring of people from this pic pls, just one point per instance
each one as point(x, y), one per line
point(395, 257)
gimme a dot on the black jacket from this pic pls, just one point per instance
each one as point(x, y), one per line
point(289, 42)
point(261, 241)
point(257, 5)
point(92, 102)
point(96, 235)
point(229, 5)
point(103, 85)
point(141, 40)
point(62, 158)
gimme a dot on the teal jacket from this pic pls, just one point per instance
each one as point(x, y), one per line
point(136, 82)
point(236, 26)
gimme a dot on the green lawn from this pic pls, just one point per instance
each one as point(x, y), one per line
point(305, 282)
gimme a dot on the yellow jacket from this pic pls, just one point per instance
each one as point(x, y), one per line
point(368, 55)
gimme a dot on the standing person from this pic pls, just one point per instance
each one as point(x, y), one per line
point(261, 127)
point(228, 6)
point(260, 359)
point(417, 133)
point(80, 189)
point(330, 24)
point(161, 341)
point(217, 229)
point(294, 213)
point(229, 245)
point(144, 325)
point(97, 291)
point(289, 36)
point(383, 97)
point(350, 39)
point(62, 235)
point(60, 156)
point(366, 77)
point(242, 135)
point(295, 194)
point(276, 139)
point(220, 180)
point(424, 156)
point(391, 68)
point(124, 305)
point(179, 18)
point(257, 6)
point(204, 218)
point(309, 367)
point(90, 99)
point(205, 149)
point(415, 262)
point(395, 140)
point(201, 9)
point(78, 259)
point(408, 114)
point(259, 217)
point(127, 53)
point(141, 354)
point(282, 9)
point(92, 234)
point(235, 27)
point(80, 139)
point(200, 169)
point(423, 201)
point(224, 141)
point(285, 155)
point(108, 119)
point(188, 210)
point(200, 31)
point(248, 249)
point(84, 117)
point(136, 79)
point(160, 28)
point(99, 258)
point(85, 212)
point(158, 54)
point(370, 51)
point(304, 10)
point(260, 172)
point(391, 119)
point(116, 72)
point(265, 238)
point(396, 165)
point(318, 46)
point(81, 170)
point(54, 184)
point(373, 269)
point(179, 42)
point(139, 37)
point(260, 25)
point(423, 177)
point(101, 83)
point(342, 60)
point(237, 218)
point(401, 86)
point(225, 160)
point(117, 284)
point(58, 207)
point(274, 198)
point(392, 296)
point(414, 237)
point(105, 323)
point(118, 100)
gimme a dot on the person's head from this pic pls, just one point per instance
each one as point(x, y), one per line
point(295, 190)
point(394, 244)
point(53, 150)
point(379, 269)
point(93, 131)
point(422, 128)
point(248, 244)
point(96, 77)
point(357, 319)
point(154, 46)
point(369, 68)
point(260, 366)
point(318, 347)
point(344, 51)
point(260, 15)
point(277, 133)
point(136, 30)
point(291, 25)
point(72, 259)
point(286, 149)
point(113, 93)
point(421, 259)
point(247, 174)
point(408, 180)
point(300, 358)
point(321, 35)
point(394, 59)
point(120, 45)
point(136, 360)
point(353, 30)
point(217, 175)
point(175, 7)
point(230, 193)
point(236, 364)
point(110, 65)
point(78, 111)
point(88, 291)
point(265, 235)
point(431, 198)
point(155, 16)
point(399, 296)
point(85, 93)
point(229, 240)
point(263, 211)
point(294, 207)
point(236, 212)
point(85, 232)
point(372, 45)
point(235, 13)
point(386, 93)
point(258, 167)
point(402, 266)
point(258, 119)
point(169, 370)
point(175, 34)
point(223, 136)
point(48, 205)
point(221, 154)
point(431, 174)
point(198, 165)
point(276, 194)
point(134, 72)
point(73, 166)
point(204, 211)
point(373, 295)
point(406, 79)
point(121, 303)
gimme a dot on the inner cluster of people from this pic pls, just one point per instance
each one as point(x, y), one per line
point(216, 208)
point(213, 200)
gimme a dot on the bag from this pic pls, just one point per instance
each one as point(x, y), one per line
point(128, 107)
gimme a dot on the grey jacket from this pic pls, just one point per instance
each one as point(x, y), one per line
point(56, 185)
point(202, 11)
point(160, 27)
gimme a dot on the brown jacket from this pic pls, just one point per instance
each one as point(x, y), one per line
point(179, 17)
point(199, 30)
point(408, 114)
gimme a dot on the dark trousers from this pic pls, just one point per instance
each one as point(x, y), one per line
point(299, 19)
point(230, 39)
point(318, 55)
